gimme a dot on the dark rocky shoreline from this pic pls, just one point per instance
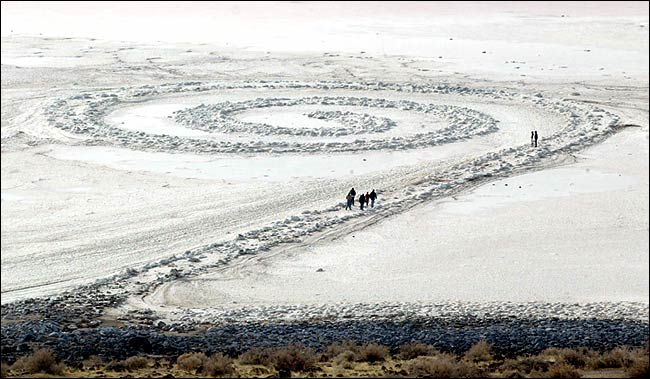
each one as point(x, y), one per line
point(514, 336)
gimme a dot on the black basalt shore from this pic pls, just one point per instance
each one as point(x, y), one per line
point(510, 336)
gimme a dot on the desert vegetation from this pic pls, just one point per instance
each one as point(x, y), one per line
point(349, 359)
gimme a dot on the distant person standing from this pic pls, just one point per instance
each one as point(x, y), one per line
point(535, 138)
point(532, 138)
point(373, 197)
point(367, 199)
point(352, 193)
point(348, 202)
point(362, 200)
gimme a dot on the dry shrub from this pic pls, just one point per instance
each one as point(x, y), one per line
point(136, 363)
point(372, 353)
point(192, 361)
point(219, 364)
point(413, 350)
point(42, 360)
point(294, 358)
point(117, 366)
point(442, 366)
point(562, 370)
point(93, 362)
point(579, 358)
point(526, 365)
point(466, 369)
point(258, 356)
point(336, 349)
point(129, 364)
point(639, 368)
point(257, 372)
point(616, 358)
point(346, 359)
point(512, 374)
point(480, 352)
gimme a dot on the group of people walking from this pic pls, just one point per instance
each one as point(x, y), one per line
point(369, 197)
point(533, 138)
point(364, 199)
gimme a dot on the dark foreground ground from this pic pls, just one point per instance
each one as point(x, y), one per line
point(348, 359)
point(509, 337)
point(78, 335)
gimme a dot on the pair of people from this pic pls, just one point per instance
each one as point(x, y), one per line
point(368, 198)
point(533, 138)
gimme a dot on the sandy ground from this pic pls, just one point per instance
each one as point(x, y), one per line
point(78, 207)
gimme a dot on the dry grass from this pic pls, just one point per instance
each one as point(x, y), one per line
point(561, 370)
point(129, 364)
point(437, 367)
point(41, 361)
point(198, 363)
point(258, 356)
point(578, 358)
point(219, 364)
point(512, 374)
point(620, 357)
point(346, 359)
point(4, 369)
point(352, 361)
point(294, 358)
point(413, 350)
point(336, 349)
point(372, 353)
point(136, 363)
point(93, 362)
point(526, 365)
point(116, 366)
point(192, 362)
point(640, 367)
point(442, 366)
point(480, 352)
point(466, 369)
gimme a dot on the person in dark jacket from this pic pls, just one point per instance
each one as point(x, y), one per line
point(532, 138)
point(348, 202)
point(373, 197)
point(535, 138)
point(362, 200)
point(352, 193)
